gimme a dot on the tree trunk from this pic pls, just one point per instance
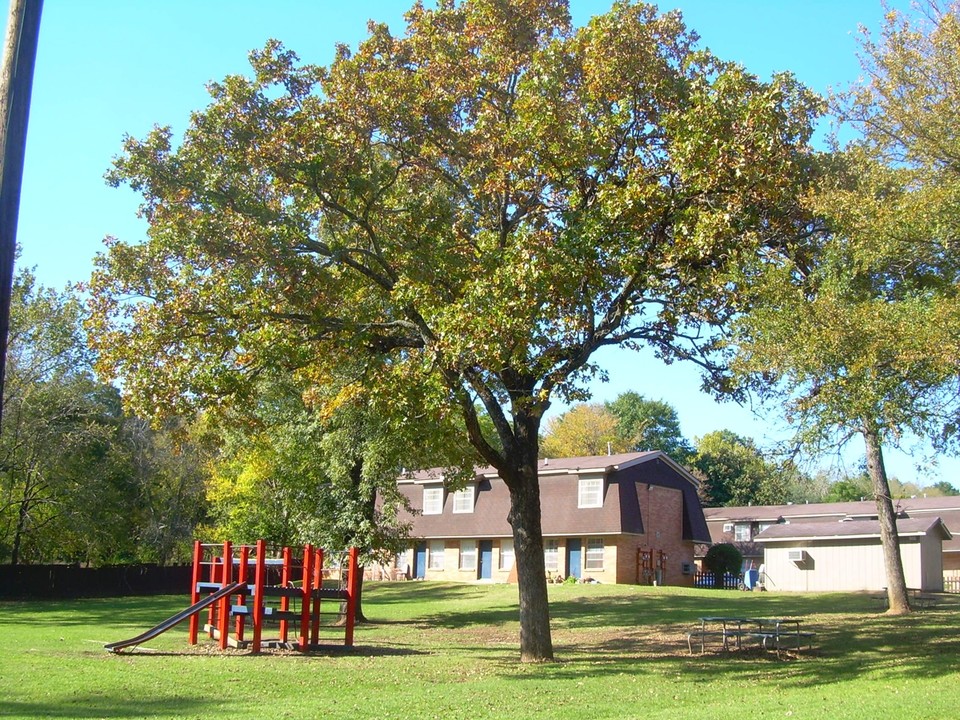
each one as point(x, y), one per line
point(897, 597)
point(358, 617)
point(369, 515)
point(536, 644)
point(516, 464)
point(22, 518)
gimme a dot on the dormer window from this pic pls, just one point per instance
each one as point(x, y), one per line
point(432, 499)
point(590, 493)
point(463, 500)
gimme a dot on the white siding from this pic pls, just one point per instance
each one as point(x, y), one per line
point(840, 565)
point(931, 549)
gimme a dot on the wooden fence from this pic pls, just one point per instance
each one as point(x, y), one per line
point(22, 582)
point(706, 580)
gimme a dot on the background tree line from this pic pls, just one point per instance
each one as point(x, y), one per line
point(84, 481)
point(81, 480)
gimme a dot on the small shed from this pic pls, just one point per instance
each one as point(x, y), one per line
point(841, 556)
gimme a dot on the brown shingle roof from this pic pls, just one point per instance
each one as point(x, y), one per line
point(546, 466)
point(906, 527)
point(768, 513)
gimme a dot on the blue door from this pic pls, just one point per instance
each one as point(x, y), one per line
point(420, 561)
point(486, 559)
point(573, 557)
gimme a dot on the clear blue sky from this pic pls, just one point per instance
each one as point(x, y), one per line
point(110, 67)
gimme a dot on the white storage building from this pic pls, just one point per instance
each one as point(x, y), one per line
point(831, 556)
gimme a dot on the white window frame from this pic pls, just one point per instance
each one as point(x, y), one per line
point(468, 555)
point(435, 555)
point(742, 532)
point(507, 555)
point(433, 499)
point(591, 561)
point(551, 555)
point(463, 500)
point(590, 493)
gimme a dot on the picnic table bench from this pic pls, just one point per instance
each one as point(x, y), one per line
point(771, 633)
point(919, 599)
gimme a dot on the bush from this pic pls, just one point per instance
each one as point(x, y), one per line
point(721, 559)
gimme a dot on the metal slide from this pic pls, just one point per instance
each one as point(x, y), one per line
point(176, 619)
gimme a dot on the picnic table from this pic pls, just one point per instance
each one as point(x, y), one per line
point(919, 599)
point(771, 633)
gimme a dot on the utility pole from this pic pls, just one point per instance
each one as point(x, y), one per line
point(16, 83)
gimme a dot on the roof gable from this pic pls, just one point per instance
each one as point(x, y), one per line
point(586, 464)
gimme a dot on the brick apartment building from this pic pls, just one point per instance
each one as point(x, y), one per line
point(626, 518)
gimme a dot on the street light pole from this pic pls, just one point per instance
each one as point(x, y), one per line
point(16, 83)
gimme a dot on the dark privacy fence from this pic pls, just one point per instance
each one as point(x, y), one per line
point(19, 582)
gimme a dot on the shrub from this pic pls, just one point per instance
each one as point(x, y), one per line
point(721, 559)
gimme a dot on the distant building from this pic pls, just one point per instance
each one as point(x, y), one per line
point(626, 518)
point(762, 531)
point(847, 555)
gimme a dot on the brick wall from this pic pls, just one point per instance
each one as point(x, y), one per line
point(662, 512)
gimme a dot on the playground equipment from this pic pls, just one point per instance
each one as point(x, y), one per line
point(221, 585)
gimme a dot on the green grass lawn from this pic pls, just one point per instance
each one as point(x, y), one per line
point(436, 650)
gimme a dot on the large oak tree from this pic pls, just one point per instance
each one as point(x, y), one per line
point(472, 208)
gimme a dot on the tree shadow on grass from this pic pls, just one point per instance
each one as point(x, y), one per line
point(388, 593)
point(921, 645)
point(472, 618)
point(577, 606)
point(138, 610)
point(668, 608)
point(316, 652)
point(99, 706)
point(644, 609)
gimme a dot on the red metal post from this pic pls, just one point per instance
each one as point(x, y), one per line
point(213, 578)
point(284, 600)
point(194, 592)
point(243, 575)
point(223, 619)
point(259, 578)
point(305, 597)
point(317, 584)
point(353, 584)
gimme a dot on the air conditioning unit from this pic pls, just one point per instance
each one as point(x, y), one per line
point(796, 555)
point(686, 568)
point(728, 527)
